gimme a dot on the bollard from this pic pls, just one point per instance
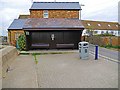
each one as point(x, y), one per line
point(96, 52)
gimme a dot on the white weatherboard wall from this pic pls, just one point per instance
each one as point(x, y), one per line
point(84, 33)
point(115, 32)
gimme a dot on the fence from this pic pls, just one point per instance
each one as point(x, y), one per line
point(103, 40)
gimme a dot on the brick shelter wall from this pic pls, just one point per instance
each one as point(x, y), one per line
point(55, 13)
point(11, 36)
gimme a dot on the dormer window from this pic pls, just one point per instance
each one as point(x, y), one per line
point(99, 24)
point(108, 25)
point(88, 24)
point(45, 14)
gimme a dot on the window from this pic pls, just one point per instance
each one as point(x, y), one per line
point(99, 24)
point(17, 35)
point(118, 32)
point(45, 14)
point(95, 32)
point(116, 25)
point(112, 32)
point(108, 25)
point(102, 32)
point(107, 32)
point(88, 24)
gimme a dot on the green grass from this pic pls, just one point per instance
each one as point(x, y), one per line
point(110, 46)
point(24, 53)
point(35, 58)
point(45, 53)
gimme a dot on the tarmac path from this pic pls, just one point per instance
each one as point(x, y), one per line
point(106, 52)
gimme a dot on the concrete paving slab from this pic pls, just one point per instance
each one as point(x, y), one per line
point(68, 71)
point(61, 71)
point(22, 74)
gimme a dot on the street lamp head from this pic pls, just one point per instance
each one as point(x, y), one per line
point(81, 9)
point(82, 4)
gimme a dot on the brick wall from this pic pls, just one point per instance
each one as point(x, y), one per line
point(55, 13)
point(11, 36)
point(114, 41)
point(36, 14)
point(103, 41)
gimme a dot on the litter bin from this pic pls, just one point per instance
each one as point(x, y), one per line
point(84, 50)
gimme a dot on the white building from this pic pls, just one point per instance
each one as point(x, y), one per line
point(100, 27)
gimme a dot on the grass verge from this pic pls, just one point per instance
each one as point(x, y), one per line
point(35, 58)
point(112, 47)
point(43, 53)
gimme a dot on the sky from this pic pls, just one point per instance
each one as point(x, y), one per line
point(98, 10)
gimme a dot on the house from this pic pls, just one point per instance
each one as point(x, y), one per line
point(101, 27)
point(3, 40)
point(15, 30)
point(50, 25)
point(56, 25)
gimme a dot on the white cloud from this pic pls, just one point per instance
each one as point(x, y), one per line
point(10, 10)
point(102, 14)
point(99, 8)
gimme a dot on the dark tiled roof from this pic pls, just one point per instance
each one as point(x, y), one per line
point(52, 23)
point(62, 23)
point(56, 5)
point(100, 25)
point(17, 24)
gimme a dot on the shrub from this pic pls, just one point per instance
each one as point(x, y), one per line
point(22, 42)
point(110, 46)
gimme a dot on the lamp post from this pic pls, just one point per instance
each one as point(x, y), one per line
point(32, 1)
point(81, 9)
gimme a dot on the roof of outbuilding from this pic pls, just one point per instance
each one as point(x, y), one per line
point(23, 16)
point(17, 24)
point(52, 23)
point(100, 25)
point(31, 23)
point(55, 5)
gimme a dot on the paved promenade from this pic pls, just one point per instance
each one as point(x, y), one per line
point(61, 71)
